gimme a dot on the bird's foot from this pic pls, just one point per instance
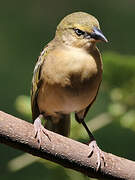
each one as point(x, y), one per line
point(100, 155)
point(38, 128)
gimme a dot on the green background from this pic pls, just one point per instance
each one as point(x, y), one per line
point(25, 28)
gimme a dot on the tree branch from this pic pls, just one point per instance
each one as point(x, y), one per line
point(64, 151)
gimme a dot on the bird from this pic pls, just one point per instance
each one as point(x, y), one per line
point(67, 77)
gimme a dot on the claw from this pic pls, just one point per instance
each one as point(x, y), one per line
point(38, 128)
point(94, 148)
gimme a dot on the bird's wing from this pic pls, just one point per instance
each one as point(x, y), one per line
point(87, 109)
point(61, 125)
point(36, 83)
point(79, 116)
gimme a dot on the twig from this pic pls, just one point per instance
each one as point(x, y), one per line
point(65, 151)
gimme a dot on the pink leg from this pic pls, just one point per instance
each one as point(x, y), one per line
point(94, 148)
point(38, 128)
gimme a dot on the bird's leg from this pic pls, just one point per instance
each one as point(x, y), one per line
point(38, 128)
point(94, 147)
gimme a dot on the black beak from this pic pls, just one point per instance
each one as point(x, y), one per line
point(98, 35)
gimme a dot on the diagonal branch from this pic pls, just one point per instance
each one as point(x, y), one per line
point(67, 152)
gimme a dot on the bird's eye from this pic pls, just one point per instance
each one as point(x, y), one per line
point(79, 32)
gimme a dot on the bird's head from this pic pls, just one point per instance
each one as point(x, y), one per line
point(80, 30)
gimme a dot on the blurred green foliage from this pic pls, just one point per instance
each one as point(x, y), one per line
point(26, 26)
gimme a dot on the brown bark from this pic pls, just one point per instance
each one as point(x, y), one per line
point(64, 151)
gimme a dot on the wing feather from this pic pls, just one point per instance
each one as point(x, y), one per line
point(36, 83)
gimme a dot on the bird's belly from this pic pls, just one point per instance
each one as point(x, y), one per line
point(72, 104)
point(65, 100)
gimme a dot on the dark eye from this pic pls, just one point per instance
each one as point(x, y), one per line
point(79, 32)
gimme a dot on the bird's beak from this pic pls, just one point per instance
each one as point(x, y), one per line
point(98, 35)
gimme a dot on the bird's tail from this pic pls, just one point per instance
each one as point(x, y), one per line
point(60, 125)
